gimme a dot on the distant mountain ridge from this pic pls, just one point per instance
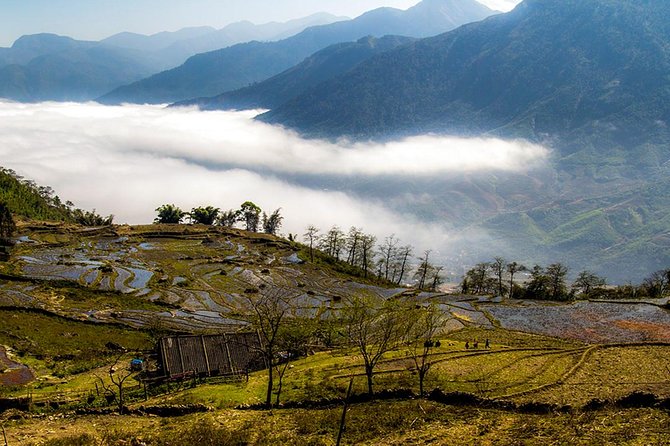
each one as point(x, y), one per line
point(213, 73)
point(319, 67)
point(50, 67)
point(587, 78)
point(587, 71)
point(173, 48)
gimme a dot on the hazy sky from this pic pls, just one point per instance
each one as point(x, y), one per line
point(97, 19)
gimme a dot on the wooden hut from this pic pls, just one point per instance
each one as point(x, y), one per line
point(226, 354)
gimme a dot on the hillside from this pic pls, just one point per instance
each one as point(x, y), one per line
point(587, 79)
point(75, 297)
point(579, 75)
point(48, 67)
point(25, 199)
point(212, 73)
point(45, 67)
point(321, 66)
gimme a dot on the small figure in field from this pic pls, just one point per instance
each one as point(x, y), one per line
point(438, 344)
point(467, 345)
point(488, 345)
point(476, 345)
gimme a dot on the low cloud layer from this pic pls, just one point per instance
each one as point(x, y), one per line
point(128, 160)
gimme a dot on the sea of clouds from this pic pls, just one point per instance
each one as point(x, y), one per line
point(127, 160)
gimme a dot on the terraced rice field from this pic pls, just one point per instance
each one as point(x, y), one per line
point(594, 322)
point(194, 276)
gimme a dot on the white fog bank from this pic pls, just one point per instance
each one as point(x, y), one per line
point(127, 160)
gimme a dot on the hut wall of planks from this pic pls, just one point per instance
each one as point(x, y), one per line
point(210, 355)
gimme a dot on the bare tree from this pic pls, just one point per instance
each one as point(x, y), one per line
point(118, 375)
point(366, 257)
point(333, 242)
point(373, 326)
point(426, 323)
point(403, 256)
point(312, 236)
point(293, 339)
point(388, 252)
point(353, 239)
point(498, 268)
point(657, 283)
point(423, 270)
point(267, 310)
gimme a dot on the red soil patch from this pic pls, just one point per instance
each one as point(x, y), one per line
point(654, 331)
point(16, 374)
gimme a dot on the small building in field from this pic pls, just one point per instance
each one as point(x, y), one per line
point(228, 354)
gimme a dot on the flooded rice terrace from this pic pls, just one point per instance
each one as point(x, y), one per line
point(191, 279)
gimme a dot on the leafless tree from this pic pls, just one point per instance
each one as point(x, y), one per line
point(425, 324)
point(403, 256)
point(498, 268)
point(388, 252)
point(423, 270)
point(333, 242)
point(268, 309)
point(293, 339)
point(353, 239)
point(118, 373)
point(366, 257)
point(373, 326)
point(311, 236)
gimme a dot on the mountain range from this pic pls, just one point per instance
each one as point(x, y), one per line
point(213, 73)
point(321, 66)
point(593, 73)
point(586, 78)
point(173, 48)
point(50, 67)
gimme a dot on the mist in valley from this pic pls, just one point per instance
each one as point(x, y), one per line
point(430, 191)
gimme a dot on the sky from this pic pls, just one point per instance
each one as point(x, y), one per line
point(97, 19)
point(102, 158)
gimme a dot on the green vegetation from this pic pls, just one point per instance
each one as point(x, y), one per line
point(389, 423)
point(7, 225)
point(501, 371)
point(379, 336)
point(26, 199)
point(63, 347)
point(169, 214)
point(497, 278)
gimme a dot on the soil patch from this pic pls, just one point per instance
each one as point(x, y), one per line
point(13, 373)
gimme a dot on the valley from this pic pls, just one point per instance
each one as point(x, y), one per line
point(70, 293)
point(454, 229)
